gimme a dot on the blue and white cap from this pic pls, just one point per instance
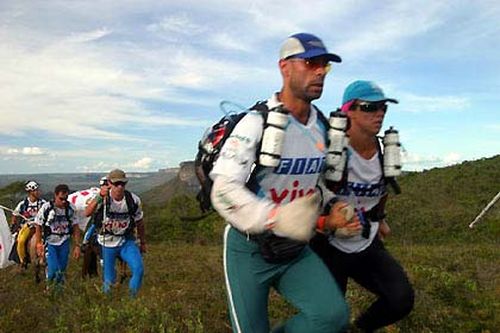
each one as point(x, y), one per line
point(304, 45)
point(367, 91)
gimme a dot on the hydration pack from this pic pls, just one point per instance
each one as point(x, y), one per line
point(209, 148)
point(132, 207)
point(24, 207)
point(68, 212)
point(211, 144)
point(391, 181)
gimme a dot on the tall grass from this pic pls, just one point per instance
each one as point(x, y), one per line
point(455, 271)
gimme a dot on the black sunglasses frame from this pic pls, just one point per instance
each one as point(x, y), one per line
point(118, 183)
point(371, 107)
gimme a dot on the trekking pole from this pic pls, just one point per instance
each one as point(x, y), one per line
point(488, 206)
point(14, 213)
point(103, 231)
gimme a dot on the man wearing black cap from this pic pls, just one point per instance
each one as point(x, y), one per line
point(272, 211)
point(118, 213)
point(356, 252)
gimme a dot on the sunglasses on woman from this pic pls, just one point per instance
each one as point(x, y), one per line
point(371, 107)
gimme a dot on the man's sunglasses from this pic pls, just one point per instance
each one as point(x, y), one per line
point(371, 107)
point(118, 183)
point(315, 63)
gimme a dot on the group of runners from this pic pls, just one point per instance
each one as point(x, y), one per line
point(270, 241)
point(288, 228)
point(111, 216)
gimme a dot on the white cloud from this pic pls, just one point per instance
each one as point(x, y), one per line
point(418, 162)
point(452, 158)
point(388, 33)
point(89, 36)
point(175, 25)
point(69, 74)
point(33, 151)
point(73, 91)
point(229, 42)
point(418, 103)
point(143, 164)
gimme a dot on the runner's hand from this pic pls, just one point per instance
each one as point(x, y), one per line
point(76, 252)
point(383, 230)
point(297, 219)
point(344, 221)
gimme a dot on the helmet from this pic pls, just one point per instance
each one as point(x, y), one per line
point(31, 185)
point(103, 181)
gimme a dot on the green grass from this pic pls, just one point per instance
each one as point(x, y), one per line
point(183, 291)
point(455, 270)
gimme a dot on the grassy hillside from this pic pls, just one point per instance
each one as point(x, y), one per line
point(437, 205)
point(456, 291)
point(455, 270)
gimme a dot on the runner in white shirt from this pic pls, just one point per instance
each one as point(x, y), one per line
point(360, 254)
point(120, 214)
point(269, 210)
point(28, 208)
point(56, 224)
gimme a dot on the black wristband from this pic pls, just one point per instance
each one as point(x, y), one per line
point(329, 205)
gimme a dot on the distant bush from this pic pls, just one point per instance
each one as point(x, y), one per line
point(177, 221)
point(11, 194)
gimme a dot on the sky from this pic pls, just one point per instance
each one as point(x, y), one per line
point(87, 86)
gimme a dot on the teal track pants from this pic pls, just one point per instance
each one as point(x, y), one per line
point(305, 282)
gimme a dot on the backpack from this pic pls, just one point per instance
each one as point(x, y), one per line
point(24, 207)
point(212, 141)
point(68, 211)
point(132, 207)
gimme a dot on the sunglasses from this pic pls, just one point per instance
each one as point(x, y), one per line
point(315, 63)
point(371, 107)
point(63, 198)
point(118, 183)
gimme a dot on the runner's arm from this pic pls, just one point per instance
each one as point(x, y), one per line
point(230, 197)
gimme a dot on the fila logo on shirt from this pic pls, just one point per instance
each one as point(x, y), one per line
point(300, 166)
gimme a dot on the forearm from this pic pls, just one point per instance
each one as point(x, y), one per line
point(239, 206)
point(328, 198)
point(141, 231)
point(76, 235)
point(92, 206)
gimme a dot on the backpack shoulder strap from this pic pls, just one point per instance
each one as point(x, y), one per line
point(260, 106)
point(263, 109)
point(132, 209)
point(131, 205)
point(69, 212)
point(322, 118)
point(47, 211)
point(24, 205)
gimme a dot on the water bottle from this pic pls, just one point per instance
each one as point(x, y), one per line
point(337, 149)
point(392, 153)
point(273, 137)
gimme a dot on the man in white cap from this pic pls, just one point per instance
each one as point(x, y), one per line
point(359, 253)
point(24, 217)
point(272, 212)
point(118, 213)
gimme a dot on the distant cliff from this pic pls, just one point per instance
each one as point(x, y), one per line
point(185, 182)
